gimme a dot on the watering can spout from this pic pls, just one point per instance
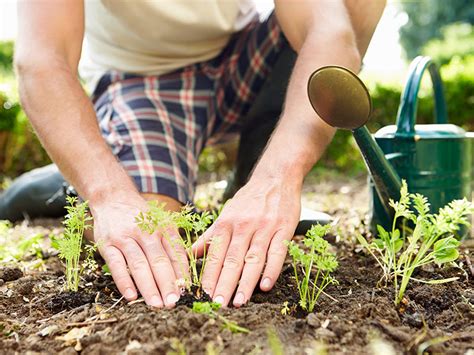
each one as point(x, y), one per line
point(342, 100)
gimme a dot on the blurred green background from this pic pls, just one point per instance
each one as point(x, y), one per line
point(440, 29)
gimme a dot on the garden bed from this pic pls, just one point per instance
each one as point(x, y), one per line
point(356, 316)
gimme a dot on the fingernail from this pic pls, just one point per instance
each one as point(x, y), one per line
point(266, 283)
point(155, 301)
point(219, 299)
point(239, 299)
point(172, 299)
point(129, 294)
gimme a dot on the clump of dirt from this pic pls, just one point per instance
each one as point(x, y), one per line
point(10, 273)
point(68, 300)
point(195, 294)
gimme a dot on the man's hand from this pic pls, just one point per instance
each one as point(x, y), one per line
point(154, 262)
point(265, 212)
point(249, 233)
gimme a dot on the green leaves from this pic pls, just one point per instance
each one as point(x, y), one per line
point(446, 250)
point(157, 218)
point(210, 309)
point(205, 307)
point(431, 241)
point(316, 262)
point(69, 244)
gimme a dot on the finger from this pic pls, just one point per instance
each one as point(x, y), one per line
point(161, 268)
point(253, 266)
point(275, 258)
point(141, 273)
point(118, 268)
point(203, 242)
point(177, 254)
point(213, 264)
point(232, 268)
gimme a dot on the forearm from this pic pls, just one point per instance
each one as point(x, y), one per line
point(65, 122)
point(301, 136)
point(323, 32)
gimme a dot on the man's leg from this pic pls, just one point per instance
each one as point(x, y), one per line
point(261, 120)
point(155, 126)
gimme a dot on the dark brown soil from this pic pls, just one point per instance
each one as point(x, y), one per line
point(358, 316)
point(35, 315)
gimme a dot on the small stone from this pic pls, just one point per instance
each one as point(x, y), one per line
point(313, 320)
point(2, 282)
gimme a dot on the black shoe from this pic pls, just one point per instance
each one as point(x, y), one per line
point(37, 193)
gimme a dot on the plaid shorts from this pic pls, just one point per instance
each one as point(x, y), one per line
point(157, 126)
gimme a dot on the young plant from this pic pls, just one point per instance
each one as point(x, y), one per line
point(316, 264)
point(69, 244)
point(210, 309)
point(432, 240)
point(191, 223)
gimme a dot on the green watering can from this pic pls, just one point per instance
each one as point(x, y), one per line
point(436, 159)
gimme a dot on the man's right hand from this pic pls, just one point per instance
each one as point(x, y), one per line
point(64, 119)
point(153, 261)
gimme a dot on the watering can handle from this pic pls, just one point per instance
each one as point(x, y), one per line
point(407, 112)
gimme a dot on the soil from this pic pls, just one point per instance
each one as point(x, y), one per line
point(357, 316)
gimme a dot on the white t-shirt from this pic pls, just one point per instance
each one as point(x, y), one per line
point(152, 37)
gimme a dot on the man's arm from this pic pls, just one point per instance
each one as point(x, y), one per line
point(249, 236)
point(47, 54)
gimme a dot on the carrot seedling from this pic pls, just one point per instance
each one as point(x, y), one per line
point(210, 309)
point(316, 256)
point(157, 218)
point(432, 240)
point(69, 244)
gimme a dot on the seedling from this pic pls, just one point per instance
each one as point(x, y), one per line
point(69, 244)
point(211, 308)
point(191, 223)
point(432, 240)
point(316, 256)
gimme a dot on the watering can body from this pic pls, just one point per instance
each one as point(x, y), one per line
point(436, 160)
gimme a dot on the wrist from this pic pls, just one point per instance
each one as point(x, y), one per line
point(103, 195)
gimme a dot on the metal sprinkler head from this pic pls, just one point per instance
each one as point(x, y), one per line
point(339, 97)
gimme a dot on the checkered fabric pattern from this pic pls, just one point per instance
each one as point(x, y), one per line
point(158, 125)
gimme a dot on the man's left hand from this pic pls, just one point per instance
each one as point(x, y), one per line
point(248, 238)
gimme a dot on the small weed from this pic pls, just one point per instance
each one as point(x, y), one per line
point(210, 309)
point(318, 256)
point(191, 223)
point(69, 244)
point(432, 240)
point(285, 310)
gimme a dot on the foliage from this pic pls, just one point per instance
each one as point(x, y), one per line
point(6, 55)
point(457, 42)
point(157, 218)
point(318, 256)
point(426, 18)
point(210, 309)
point(432, 240)
point(69, 244)
point(14, 249)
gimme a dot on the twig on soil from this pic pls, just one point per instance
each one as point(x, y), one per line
point(105, 311)
point(54, 316)
point(469, 264)
point(86, 322)
point(140, 300)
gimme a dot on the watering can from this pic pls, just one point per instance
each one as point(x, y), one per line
point(436, 159)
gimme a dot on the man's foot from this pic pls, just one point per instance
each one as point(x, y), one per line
point(37, 193)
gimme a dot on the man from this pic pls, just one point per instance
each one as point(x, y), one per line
point(169, 77)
